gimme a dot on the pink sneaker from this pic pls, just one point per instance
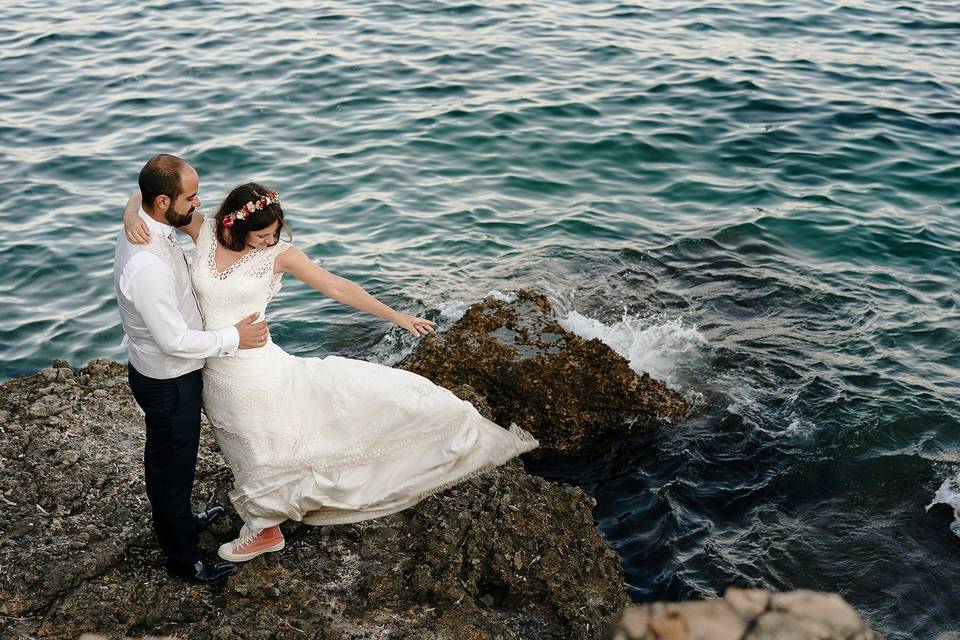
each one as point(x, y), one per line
point(251, 543)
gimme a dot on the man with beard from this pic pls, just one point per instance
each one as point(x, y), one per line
point(166, 349)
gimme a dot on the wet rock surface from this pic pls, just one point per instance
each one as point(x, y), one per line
point(745, 614)
point(505, 555)
point(571, 393)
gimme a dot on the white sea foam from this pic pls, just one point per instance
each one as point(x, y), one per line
point(799, 427)
point(753, 406)
point(655, 345)
point(949, 494)
point(508, 297)
point(452, 310)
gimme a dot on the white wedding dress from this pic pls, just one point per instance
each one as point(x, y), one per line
point(328, 440)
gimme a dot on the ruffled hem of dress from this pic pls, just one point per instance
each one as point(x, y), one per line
point(245, 498)
point(501, 456)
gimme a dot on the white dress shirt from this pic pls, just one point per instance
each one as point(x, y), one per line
point(158, 309)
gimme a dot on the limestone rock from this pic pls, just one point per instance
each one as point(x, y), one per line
point(795, 615)
point(748, 603)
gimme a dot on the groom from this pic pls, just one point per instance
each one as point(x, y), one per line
point(166, 350)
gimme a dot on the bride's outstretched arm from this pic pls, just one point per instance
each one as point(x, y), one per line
point(136, 229)
point(296, 263)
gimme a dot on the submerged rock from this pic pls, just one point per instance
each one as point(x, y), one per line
point(569, 392)
point(505, 555)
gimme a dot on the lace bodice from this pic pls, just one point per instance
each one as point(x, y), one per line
point(245, 287)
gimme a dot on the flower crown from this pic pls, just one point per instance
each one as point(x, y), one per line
point(250, 207)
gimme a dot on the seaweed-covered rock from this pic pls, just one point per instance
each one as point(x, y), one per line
point(505, 555)
point(568, 392)
point(505, 541)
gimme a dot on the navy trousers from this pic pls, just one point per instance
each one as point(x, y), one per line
point(172, 409)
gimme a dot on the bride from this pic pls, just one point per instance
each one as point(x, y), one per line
point(322, 440)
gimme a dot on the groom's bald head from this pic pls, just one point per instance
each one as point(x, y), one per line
point(162, 176)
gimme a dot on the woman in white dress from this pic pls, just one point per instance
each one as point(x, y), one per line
point(323, 440)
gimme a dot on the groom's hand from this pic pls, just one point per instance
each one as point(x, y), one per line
point(252, 334)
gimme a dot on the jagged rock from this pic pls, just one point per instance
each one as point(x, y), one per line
point(568, 392)
point(508, 541)
point(468, 393)
point(745, 614)
point(506, 555)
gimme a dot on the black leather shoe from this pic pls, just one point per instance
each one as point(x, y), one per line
point(204, 518)
point(203, 572)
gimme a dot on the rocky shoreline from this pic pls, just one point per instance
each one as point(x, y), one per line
point(506, 555)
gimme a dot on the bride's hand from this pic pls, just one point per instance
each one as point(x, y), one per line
point(416, 326)
point(136, 231)
point(134, 227)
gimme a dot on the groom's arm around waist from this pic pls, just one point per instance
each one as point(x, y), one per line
point(152, 289)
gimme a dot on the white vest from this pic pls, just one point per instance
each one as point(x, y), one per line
point(163, 324)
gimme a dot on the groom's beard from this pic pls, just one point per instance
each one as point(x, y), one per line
point(179, 220)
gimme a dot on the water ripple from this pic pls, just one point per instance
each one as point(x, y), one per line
point(781, 176)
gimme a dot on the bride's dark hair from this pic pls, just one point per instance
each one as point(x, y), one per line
point(233, 236)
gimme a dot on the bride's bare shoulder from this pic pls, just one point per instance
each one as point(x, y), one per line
point(290, 258)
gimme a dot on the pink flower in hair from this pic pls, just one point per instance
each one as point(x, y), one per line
point(250, 207)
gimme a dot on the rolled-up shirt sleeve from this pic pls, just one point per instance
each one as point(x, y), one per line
point(152, 289)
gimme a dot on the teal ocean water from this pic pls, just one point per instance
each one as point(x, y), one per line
point(757, 202)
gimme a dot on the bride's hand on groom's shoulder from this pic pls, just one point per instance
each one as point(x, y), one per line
point(136, 230)
point(413, 324)
point(133, 225)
